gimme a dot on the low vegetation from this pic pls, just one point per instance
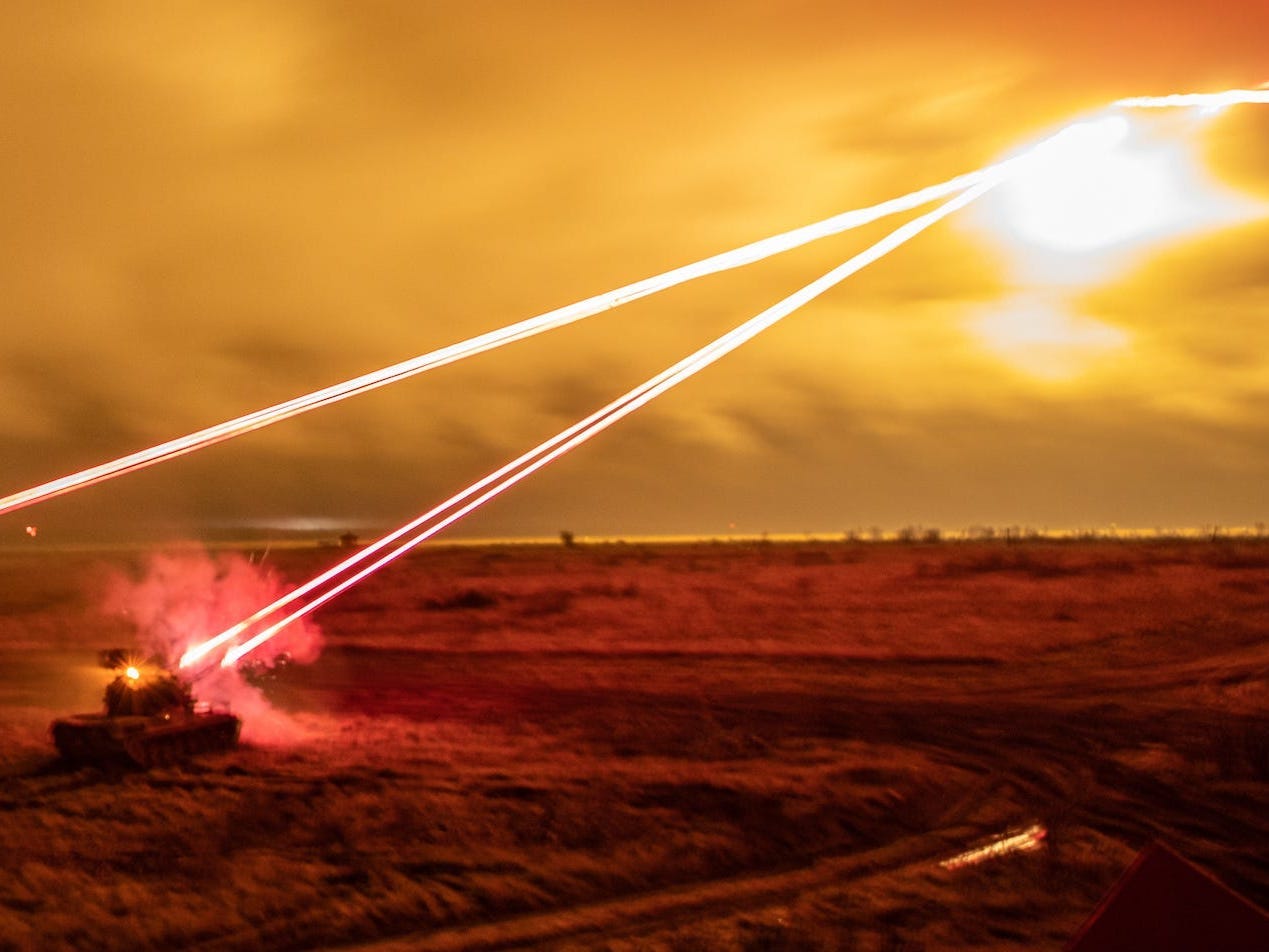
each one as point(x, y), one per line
point(758, 746)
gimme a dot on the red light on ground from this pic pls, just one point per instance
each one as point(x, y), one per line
point(32, 531)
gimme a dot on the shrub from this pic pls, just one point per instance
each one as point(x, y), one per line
point(466, 599)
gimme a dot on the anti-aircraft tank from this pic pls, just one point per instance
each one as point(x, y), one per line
point(150, 719)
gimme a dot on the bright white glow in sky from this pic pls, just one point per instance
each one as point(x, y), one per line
point(1043, 340)
point(1079, 214)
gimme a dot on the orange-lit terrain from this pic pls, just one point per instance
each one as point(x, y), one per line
point(219, 216)
point(629, 746)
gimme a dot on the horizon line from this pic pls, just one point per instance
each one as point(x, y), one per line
point(333, 538)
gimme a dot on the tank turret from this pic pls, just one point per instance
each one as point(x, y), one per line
point(150, 718)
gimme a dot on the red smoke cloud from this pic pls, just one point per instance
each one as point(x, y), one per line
point(179, 599)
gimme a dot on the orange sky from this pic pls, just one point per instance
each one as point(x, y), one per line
point(212, 207)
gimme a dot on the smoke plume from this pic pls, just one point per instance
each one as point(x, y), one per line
point(178, 599)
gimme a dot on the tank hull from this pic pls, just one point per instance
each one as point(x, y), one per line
point(143, 741)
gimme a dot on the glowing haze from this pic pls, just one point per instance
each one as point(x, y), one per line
point(215, 207)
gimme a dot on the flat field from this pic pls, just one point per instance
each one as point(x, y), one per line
point(708, 746)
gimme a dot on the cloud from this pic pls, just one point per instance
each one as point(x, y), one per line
point(1195, 311)
point(217, 206)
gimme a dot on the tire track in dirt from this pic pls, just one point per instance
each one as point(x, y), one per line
point(1058, 738)
point(1068, 769)
point(632, 915)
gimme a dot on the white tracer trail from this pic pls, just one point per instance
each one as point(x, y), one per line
point(1096, 135)
point(1228, 97)
point(622, 407)
point(748, 254)
point(736, 258)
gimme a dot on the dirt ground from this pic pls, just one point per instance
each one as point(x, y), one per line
point(709, 746)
